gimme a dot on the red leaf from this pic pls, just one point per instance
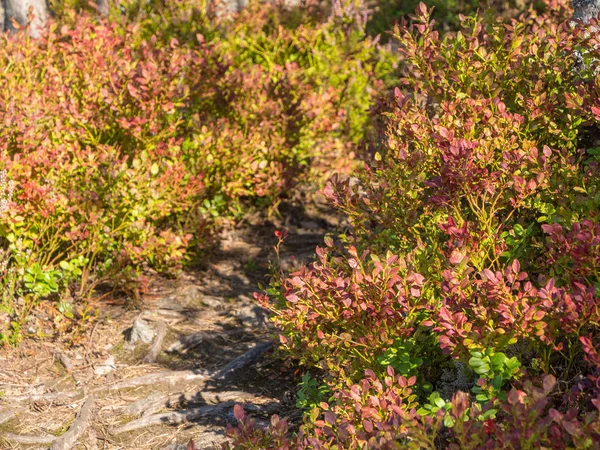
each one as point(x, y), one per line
point(292, 298)
point(516, 266)
point(573, 427)
point(329, 417)
point(274, 420)
point(515, 396)
point(238, 412)
point(490, 275)
point(456, 257)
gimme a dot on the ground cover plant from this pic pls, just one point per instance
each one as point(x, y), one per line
point(126, 142)
point(462, 308)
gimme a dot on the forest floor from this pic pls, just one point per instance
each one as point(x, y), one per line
point(207, 347)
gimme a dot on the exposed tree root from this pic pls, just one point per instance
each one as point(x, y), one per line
point(92, 439)
point(48, 397)
point(192, 341)
point(174, 417)
point(77, 428)
point(147, 405)
point(157, 344)
point(28, 439)
point(8, 414)
point(165, 376)
point(176, 376)
point(155, 402)
point(248, 358)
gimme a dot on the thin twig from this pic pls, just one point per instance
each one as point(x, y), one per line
point(89, 344)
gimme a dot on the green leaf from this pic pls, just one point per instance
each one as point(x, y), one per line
point(476, 362)
point(154, 169)
point(314, 414)
point(498, 360)
point(439, 402)
point(448, 421)
point(490, 414)
point(482, 398)
point(481, 370)
point(497, 382)
point(513, 363)
point(422, 411)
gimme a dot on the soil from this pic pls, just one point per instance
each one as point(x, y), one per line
point(209, 319)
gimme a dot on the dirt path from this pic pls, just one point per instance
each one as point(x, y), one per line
point(202, 346)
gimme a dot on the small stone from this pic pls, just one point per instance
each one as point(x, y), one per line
point(310, 225)
point(106, 367)
point(187, 296)
point(251, 314)
point(141, 331)
point(213, 302)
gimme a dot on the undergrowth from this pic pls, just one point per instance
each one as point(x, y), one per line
point(462, 308)
point(127, 142)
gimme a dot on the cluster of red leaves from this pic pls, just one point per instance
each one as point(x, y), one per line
point(348, 311)
point(378, 415)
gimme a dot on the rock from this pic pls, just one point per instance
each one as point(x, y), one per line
point(216, 303)
point(251, 314)
point(585, 10)
point(310, 225)
point(141, 331)
point(207, 440)
point(106, 367)
point(186, 297)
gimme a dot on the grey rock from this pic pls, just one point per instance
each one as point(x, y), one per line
point(208, 440)
point(214, 302)
point(186, 297)
point(21, 11)
point(250, 314)
point(585, 10)
point(103, 7)
point(141, 331)
point(106, 367)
